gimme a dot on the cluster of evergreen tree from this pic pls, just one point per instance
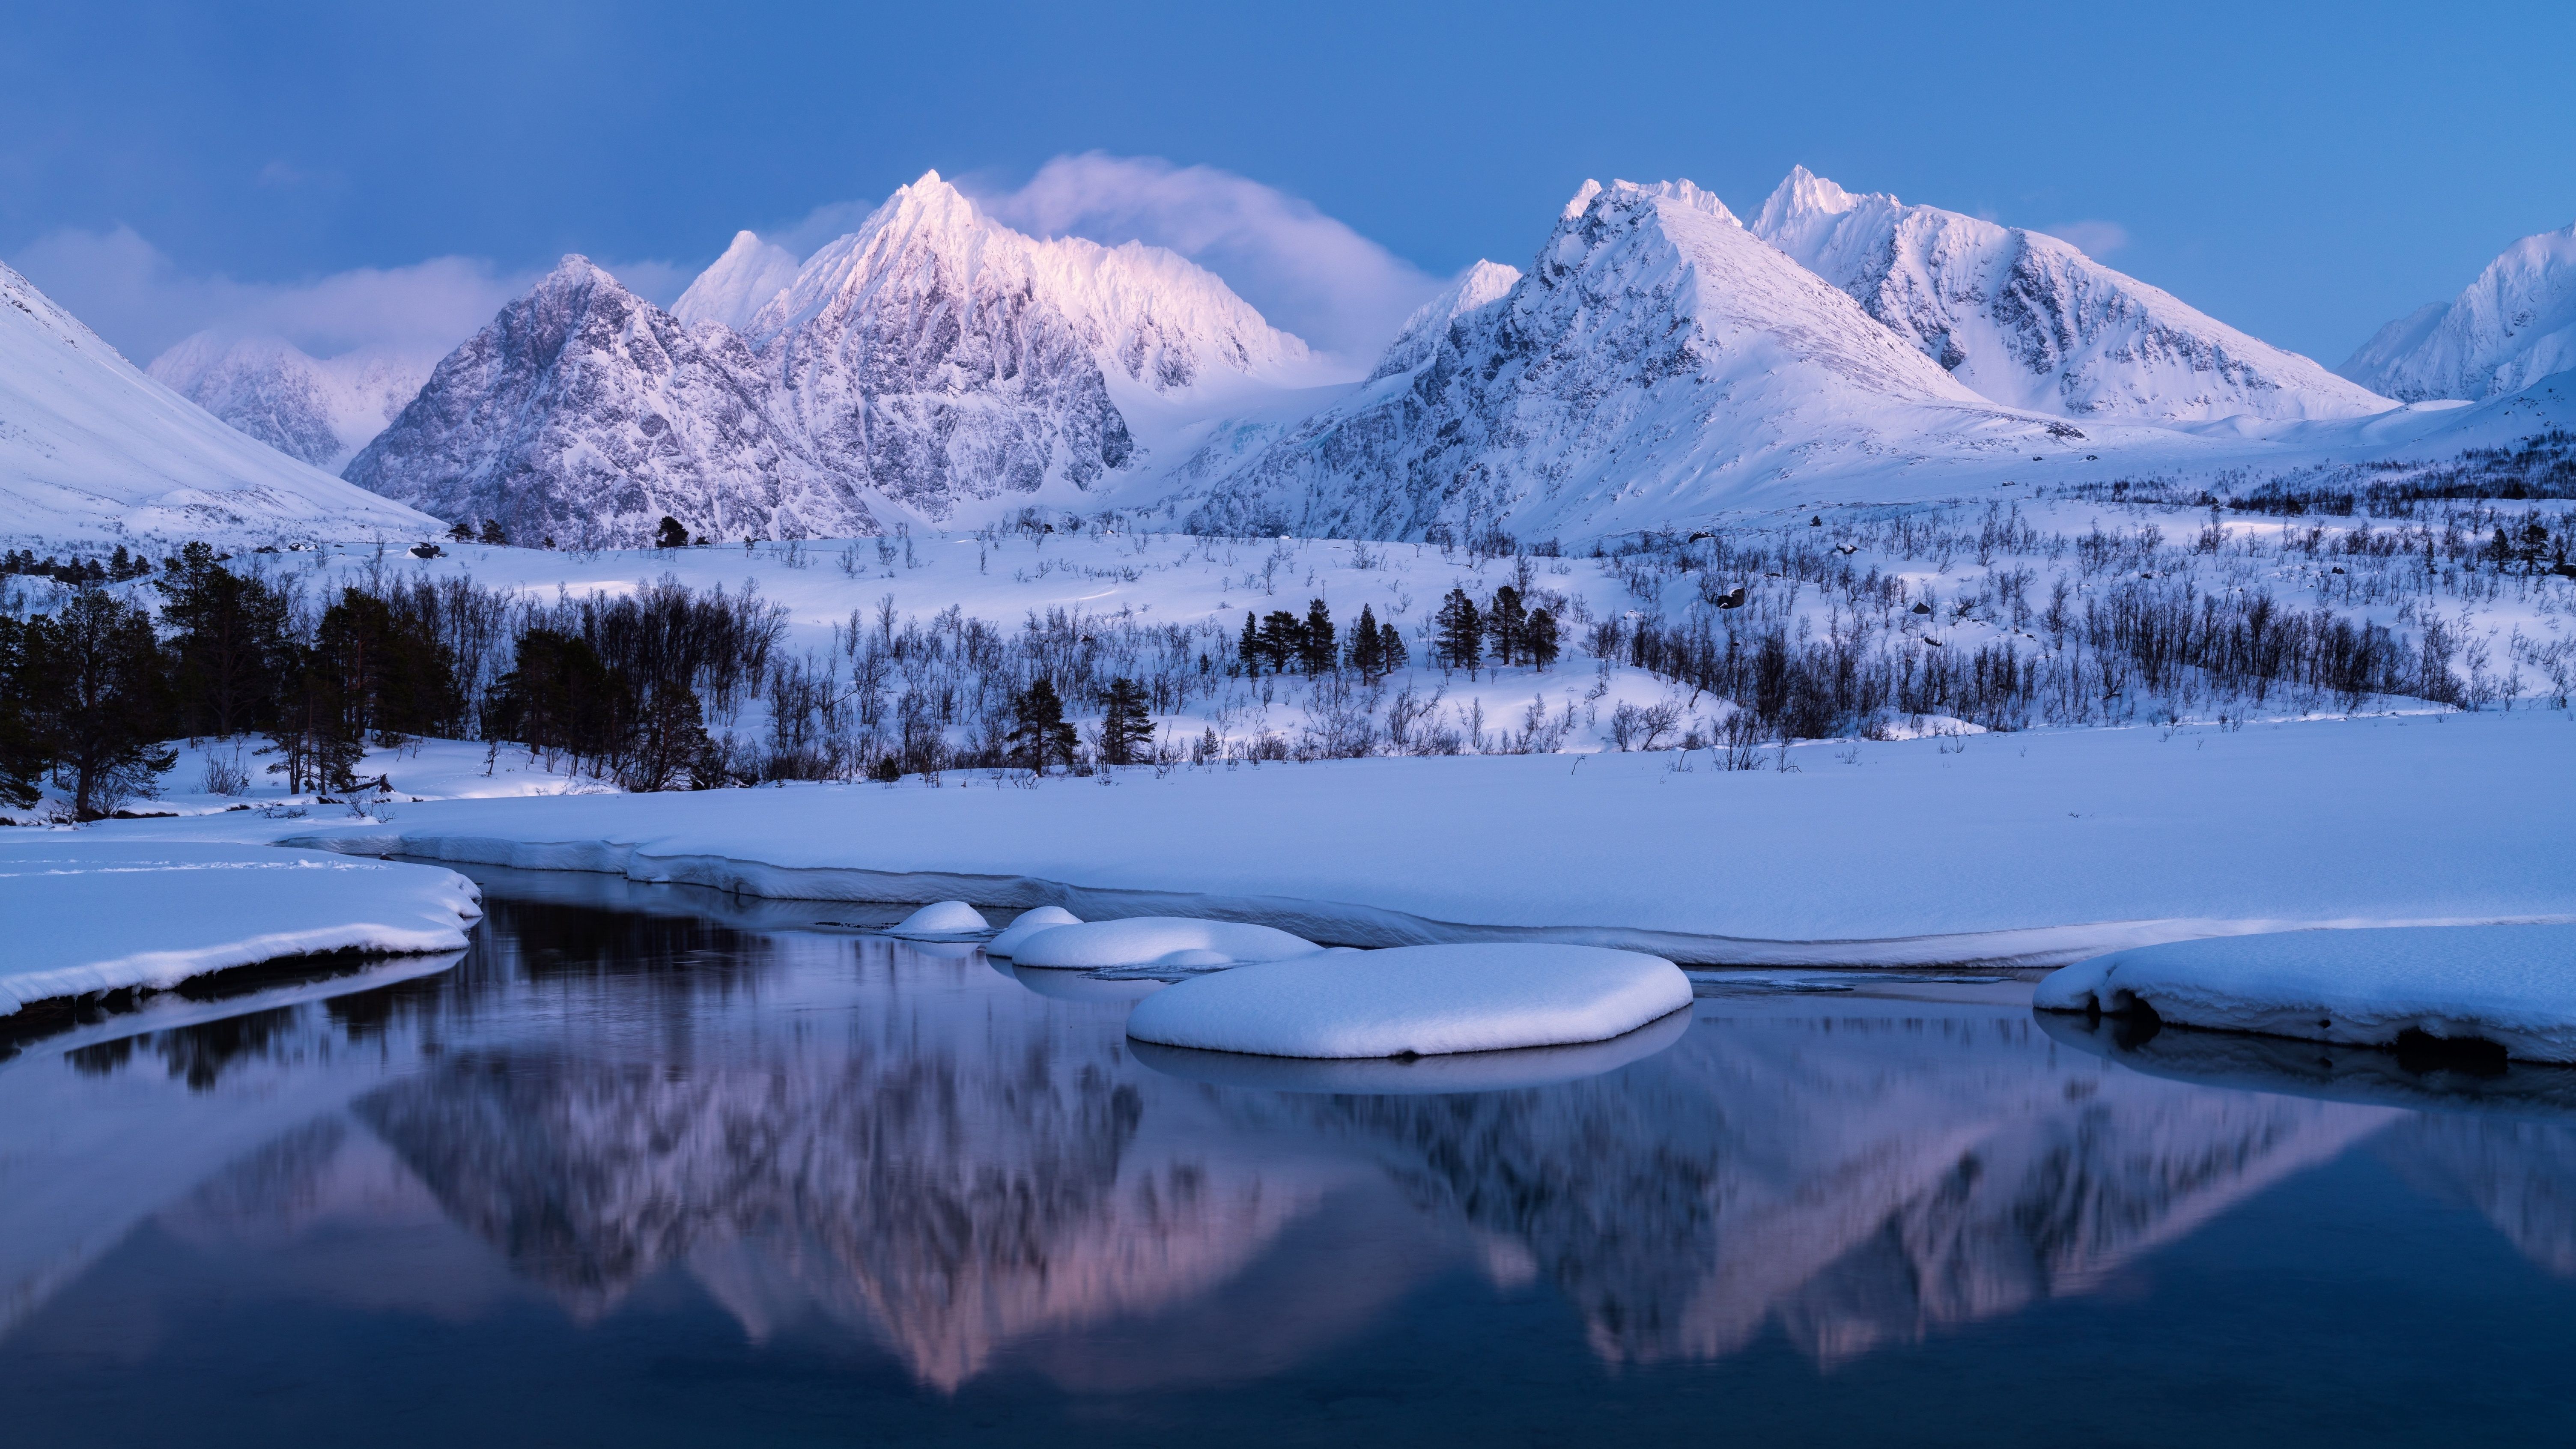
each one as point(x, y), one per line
point(1514, 632)
point(1283, 642)
point(116, 568)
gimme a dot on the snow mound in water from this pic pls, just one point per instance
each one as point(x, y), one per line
point(89, 915)
point(2514, 986)
point(943, 918)
point(1155, 941)
point(1509, 1071)
point(1029, 924)
point(1418, 1001)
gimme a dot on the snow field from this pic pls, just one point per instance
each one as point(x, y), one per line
point(1415, 1001)
point(1179, 941)
point(90, 914)
point(2513, 985)
point(2026, 849)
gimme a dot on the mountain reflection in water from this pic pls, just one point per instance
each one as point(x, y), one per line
point(841, 1135)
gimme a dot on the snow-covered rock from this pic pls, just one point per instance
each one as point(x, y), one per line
point(2508, 329)
point(586, 414)
point(1416, 1001)
point(88, 915)
point(1656, 362)
point(92, 451)
point(1442, 1075)
point(2514, 986)
point(942, 918)
point(1029, 924)
point(1420, 336)
point(1183, 941)
point(321, 410)
point(741, 282)
point(2030, 321)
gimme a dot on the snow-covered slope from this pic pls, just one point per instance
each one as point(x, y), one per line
point(2508, 329)
point(586, 414)
point(2029, 321)
point(94, 452)
point(951, 358)
point(322, 410)
point(1657, 362)
point(738, 285)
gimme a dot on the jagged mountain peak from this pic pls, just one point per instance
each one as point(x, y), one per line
point(742, 281)
point(583, 413)
point(2029, 320)
point(1801, 197)
point(1480, 285)
point(2512, 326)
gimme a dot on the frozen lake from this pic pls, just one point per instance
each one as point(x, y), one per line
point(653, 1166)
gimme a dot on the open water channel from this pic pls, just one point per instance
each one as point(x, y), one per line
point(654, 1167)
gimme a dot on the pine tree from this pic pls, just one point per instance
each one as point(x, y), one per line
point(1505, 623)
point(673, 534)
point(23, 752)
point(1283, 639)
point(1392, 654)
point(1127, 726)
point(1540, 638)
point(1316, 648)
point(1367, 654)
point(1458, 633)
point(493, 535)
point(1249, 650)
point(1039, 733)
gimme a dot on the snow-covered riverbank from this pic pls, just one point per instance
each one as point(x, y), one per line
point(88, 912)
point(2031, 849)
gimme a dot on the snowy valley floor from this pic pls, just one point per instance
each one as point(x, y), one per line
point(2024, 849)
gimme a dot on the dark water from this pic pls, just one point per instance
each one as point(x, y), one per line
point(633, 1175)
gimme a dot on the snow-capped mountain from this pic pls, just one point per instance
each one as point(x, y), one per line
point(1657, 362)
point(322, 410)
point(2508, 329)
point(932, 360)
point(94, 452)
point(2030, 321)
point(738, 285)
point(951, 359)
point(1420, 335)
point(586, 414)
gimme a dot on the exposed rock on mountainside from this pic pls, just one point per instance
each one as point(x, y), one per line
point(2031, 322)
point(586, 414)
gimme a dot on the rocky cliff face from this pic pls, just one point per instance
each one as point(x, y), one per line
point(586, 414)
point(319, 410)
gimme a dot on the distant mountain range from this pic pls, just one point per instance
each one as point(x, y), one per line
point(1657, 362)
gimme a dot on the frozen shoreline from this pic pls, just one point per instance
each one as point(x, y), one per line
point(88, 912)
point(2024, 850)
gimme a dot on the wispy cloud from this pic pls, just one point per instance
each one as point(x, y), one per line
point(134, 295)
point(1306, 271)
point(2096, 239)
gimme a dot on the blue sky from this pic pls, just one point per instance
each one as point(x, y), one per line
point(2304, 172)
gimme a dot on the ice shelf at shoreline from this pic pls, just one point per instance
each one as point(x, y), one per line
point(86, 914)
point(2514, 986)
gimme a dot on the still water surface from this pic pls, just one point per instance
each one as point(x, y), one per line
point(653, 1168)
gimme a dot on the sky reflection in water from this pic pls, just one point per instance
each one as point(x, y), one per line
point(640, 1177)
